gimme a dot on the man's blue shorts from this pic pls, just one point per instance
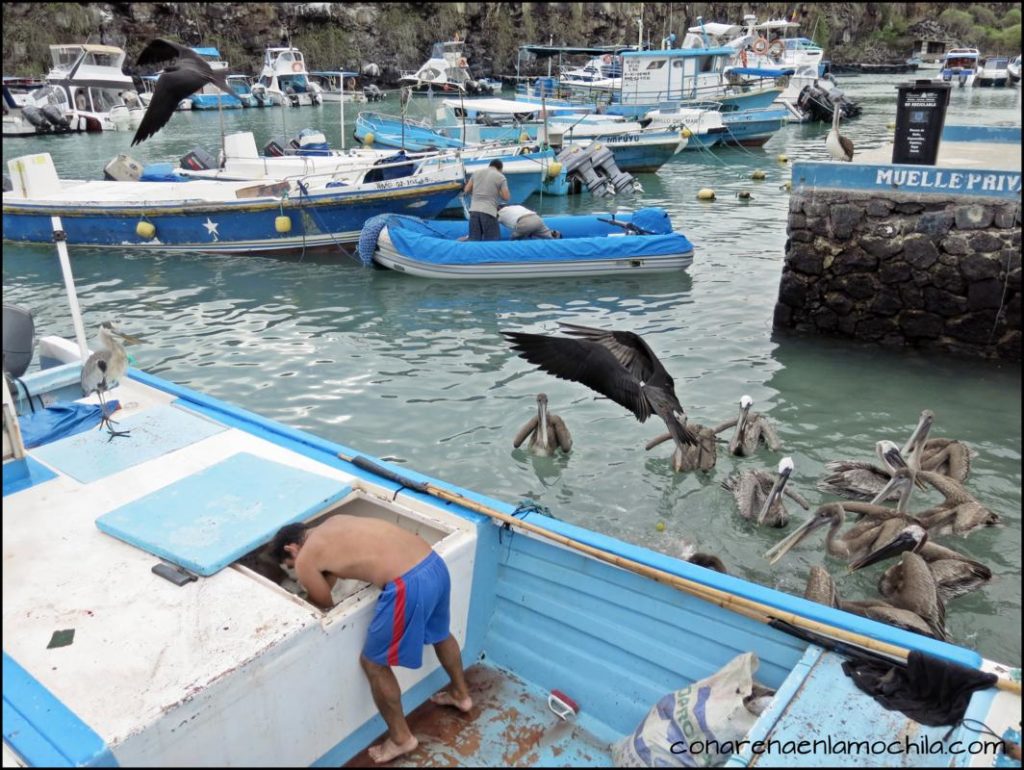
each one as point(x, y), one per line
point(412, 612)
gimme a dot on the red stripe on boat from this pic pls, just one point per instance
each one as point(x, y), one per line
point(397, 622)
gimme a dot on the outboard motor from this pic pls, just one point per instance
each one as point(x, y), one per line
point(372, 93)
point(577, 164)
point(309, 141)
point(56, 116)
point(122, 169)
point(603, 160)
point(277, 147)
point(8, 184)
point(963, 78)
point(19, 339)
point(35, 116)
point(198, 160)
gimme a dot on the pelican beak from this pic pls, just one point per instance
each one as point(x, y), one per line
point(542, 417)
point(776, 493)
point(916, 441)
point(785, 545)
point(129, 339)
point(896, 482)
point(902, 542)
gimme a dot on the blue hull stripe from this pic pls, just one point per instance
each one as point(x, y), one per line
point(41, 730)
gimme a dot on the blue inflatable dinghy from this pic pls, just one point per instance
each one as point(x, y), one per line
point(596, 244)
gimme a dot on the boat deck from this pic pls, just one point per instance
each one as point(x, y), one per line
point(510, 724)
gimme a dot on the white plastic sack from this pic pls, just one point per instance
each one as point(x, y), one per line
point(707, 716)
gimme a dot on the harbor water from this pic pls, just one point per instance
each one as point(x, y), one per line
point(416, 372)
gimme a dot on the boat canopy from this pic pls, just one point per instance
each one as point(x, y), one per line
point(717, 29)
point(335, 74)
point(498, 106)
point(548, 51)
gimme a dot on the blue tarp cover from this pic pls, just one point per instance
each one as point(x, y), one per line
point(162, 172)
point(60, 420)
point(758, 72)
point(583, 238)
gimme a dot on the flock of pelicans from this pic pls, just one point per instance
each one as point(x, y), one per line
point(914, 591)
point(621, 366)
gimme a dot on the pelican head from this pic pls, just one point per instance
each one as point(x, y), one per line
point(909, 538)
point(892, 458)
point(830, 513)
point(903, 480)
point(785, 471)
point(920, 434)
point(745, 403)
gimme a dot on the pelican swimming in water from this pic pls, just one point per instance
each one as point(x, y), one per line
point(914, 589)
point(838, 146)
point(616, 364)
point(954, 573)
point(104, 368)
point(547, 431)
point(947, 456)
point(959, 513)
point(701, 456)
point(752, 430)
point(821, 588)
point(184, 77)
point(759, 494)
point(856, 480)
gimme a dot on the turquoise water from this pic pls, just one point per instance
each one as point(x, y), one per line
point(415, 370)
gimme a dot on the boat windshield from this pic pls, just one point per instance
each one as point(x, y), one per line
point(996, 64)
point(65, 56)
point(105, 99)
point(103, 59)
point(967, 62)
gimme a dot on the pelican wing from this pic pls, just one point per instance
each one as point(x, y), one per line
point(953, 491)
point(585, 362)
point(769, 434)
point(525, 431)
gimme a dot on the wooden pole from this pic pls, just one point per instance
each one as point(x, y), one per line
point(739, 604)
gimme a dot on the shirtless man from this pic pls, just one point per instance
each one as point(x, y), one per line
point(412, 611)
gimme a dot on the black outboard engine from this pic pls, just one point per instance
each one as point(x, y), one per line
point(198, 160)
point(19, 343)
point(372, 93)
point(8, 184)
point(56, 116)
point(278, 147)
point(35, 116)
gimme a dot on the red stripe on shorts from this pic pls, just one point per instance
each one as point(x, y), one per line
point(397, 622)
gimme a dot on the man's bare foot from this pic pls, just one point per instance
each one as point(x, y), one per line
point(388, 749)
point(445, 698)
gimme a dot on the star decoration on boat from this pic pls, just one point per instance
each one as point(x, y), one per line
point(211, 228)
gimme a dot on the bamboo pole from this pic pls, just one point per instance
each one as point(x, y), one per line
point(739, 604)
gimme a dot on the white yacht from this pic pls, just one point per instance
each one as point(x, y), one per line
point(960, 66)
point(285, 81)
point(87, 81)
point(447, 70)
point(993, 72)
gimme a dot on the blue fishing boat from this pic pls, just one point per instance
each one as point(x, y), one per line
point(209, 97)
point(242, 86)
point(144, 625)
point(212, 216)
point(637, 242)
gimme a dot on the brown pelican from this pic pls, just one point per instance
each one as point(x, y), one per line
point(759, 495)
point(947, 456)
point(959, 513)
point(850, 545)
point(752, 430)
point(857, 480)
point(701, 456)
point(616, 364)
point(104, 368)
point(710, 561)
point(547, 431)
point(954, 573)
point(184, 77)
point(914, 589)
point(838, 146)
point(821, 588)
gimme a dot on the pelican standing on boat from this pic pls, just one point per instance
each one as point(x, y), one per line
point(616, 364)
point(838, 146)
point(104, 368)
point(954, 573)
point(752, 430)
point(547, 431)
point(759, 493)
point(184, 77)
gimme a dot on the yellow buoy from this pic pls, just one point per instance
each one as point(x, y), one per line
point(758, 175)
point(686, 133)
point(524, 138)
point(705, 194)
point(891, 126)
point(787, 186)
point(368, 139)
point(660, 526)
point(283, 224)
point(145, 230)
point(783, 159)
point(554, 168)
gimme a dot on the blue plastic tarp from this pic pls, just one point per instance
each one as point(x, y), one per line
point(758, 72)
point(60, 421)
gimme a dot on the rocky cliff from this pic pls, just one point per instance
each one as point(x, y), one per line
point(398, 36)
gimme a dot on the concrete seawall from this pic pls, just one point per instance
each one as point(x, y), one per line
point(928, 257)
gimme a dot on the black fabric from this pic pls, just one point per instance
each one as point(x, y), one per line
point(928, 690)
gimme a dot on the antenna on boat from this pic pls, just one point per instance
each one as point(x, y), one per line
point(342, 109)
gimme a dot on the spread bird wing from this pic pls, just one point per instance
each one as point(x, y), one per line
point(628, 348)
point(173, 86)
point(586, 362)
point(160, 50)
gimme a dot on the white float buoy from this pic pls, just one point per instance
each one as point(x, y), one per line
point(705, 194)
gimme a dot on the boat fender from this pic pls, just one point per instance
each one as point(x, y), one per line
point(283, 223)
point(296, 66)
point(554, 169)
point(368, 138)
point(686, 133)
point(783, 159)
point(145, 230)
point(562, 705)
point(758, 175)
point(524, 138)
point(705, 194)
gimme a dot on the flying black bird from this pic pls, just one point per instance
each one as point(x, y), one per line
point(619, 365)
point(184, 77)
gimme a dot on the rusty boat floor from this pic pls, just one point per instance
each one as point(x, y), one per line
point(510, 725)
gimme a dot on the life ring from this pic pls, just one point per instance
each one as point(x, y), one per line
point(607, 58)
point(776, 49)
point(759, 46)
point(743, 57)
point(463, 63)
point(297, 67)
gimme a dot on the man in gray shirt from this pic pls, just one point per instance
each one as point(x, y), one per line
point(487, 186)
